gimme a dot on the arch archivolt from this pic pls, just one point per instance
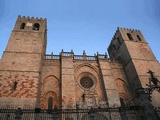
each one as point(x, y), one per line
point(50, 83)
point(50, 87)
point(122, 88)
point(46, 96)
point(50, 94)
point(89, 91)
point(86, 74)
point(50, 76)
point(121, 82)
point(88, 68)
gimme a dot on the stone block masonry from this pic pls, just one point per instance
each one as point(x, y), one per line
point(21, 86)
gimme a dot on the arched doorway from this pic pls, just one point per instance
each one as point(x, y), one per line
point(49, 100)
point(50, 93)
point(50, 103)
point(122, 91)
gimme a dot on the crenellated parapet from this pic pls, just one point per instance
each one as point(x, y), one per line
point(31, 18)
point(127, 29)
point(24, 23)
point(120, 30)
point(121, 35)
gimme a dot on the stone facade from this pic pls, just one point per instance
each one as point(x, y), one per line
point(30, 78)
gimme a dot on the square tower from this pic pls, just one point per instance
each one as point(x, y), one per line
point(20, 66)
point(130, 48)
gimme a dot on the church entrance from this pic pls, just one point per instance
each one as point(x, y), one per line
point(49, 100)
point(50, 103)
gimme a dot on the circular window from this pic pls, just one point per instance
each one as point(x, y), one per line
point(86, 82)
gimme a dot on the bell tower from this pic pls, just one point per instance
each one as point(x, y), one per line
point(130, 48)
point(20, 66)
point(28, 35)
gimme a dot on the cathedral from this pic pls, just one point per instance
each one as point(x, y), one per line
point(29, 78)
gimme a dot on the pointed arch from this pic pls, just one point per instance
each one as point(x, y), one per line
point(49, 100)
point(50, 83)
point(50, 88)
point(86, 65)
point(122, 88)
point(49, 76)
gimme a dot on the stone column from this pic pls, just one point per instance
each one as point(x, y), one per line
point(67, 81)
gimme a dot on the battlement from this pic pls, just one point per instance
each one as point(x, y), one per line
point(127, 30)
point(31, 18)
point(24, 23)
point(120, 28)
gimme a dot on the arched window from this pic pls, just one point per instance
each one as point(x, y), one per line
point(119, 42)
point(129, 36)
point(22, 26)
point(139, 38)
point(114, 46)
point(122, 91)
point(36, 26)
point(50, 103)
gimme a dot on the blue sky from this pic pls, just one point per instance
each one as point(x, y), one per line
point(84, 24)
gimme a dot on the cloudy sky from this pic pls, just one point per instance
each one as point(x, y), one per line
point(84, 24)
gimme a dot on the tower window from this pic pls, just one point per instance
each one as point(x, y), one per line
point(119, 41)
point(114, 46)
point(22, 26)
point(139, 38)
point(129, 36)
point(36, 26)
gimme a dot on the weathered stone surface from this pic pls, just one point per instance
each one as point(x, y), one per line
point(29, 78)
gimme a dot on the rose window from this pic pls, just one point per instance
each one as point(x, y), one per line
point(86, 82)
